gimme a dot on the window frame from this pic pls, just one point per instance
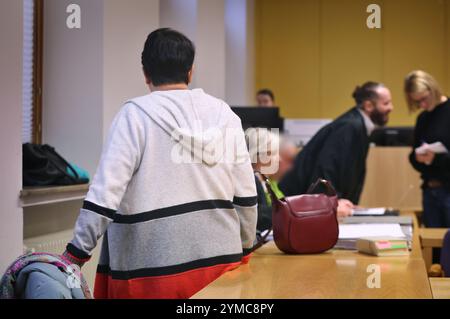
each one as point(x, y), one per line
point(38, 70)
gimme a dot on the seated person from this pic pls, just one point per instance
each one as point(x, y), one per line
point(288, 151)
point(272, 155)
point(265, 98)
point(264, 152)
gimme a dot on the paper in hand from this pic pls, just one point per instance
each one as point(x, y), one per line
point(437, 148)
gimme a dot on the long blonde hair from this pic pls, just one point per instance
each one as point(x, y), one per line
point(418, 82)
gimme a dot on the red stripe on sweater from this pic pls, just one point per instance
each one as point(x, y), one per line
point(178, 286)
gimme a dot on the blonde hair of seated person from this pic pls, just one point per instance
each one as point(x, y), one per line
point(263, 146)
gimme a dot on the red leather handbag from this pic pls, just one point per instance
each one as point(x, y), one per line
point(305, 224)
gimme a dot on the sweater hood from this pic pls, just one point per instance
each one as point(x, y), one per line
point(195, 120)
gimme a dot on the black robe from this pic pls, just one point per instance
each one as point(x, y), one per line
point(337, 153)
point(264, 209)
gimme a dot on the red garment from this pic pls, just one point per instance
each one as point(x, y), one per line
point(177, 286)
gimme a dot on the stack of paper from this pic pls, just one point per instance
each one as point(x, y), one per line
point(383, 246)
point(437, 148)
point(369, 211)
point(355, 231)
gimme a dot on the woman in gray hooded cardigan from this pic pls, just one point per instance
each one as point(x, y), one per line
point(173, 198)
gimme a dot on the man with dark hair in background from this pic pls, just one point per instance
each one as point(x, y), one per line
point(265, 98)
point(338, 151)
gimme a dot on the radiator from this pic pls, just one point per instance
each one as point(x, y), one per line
point(55, 243)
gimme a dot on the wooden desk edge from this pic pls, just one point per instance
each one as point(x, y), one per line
point(432, 237)
point(440, 288)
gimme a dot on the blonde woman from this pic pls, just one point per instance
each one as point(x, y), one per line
point(433, 125)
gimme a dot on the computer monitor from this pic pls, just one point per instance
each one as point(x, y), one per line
point(393, 136)
point(254, 116)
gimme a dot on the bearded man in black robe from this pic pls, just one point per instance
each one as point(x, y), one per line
point(338, 151)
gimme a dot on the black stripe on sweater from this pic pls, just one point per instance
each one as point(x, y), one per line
point(173, 211)
point(247, 251)
point(169, 270)
point(107, 212)
point(77, 253)
point(245, 201)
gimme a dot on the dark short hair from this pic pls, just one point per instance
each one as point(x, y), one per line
point(168, 57)
point(266, 92)
point(366, 92)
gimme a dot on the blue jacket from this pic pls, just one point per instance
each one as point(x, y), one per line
point(43, 276)
point(46, 281)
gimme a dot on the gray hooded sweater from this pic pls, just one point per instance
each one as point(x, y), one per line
point(175, 199)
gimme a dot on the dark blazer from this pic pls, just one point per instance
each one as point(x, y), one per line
point(337, 153)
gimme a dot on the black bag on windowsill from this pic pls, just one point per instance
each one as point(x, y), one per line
point(43, 166)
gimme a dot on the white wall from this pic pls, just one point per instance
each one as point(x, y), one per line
point(222, 31)
point(180, 15)
point(11, 225)
point(73, 82)
point(90, 72)
point(210, 41)
point(203, 21)
point(126, 27)
point(239, 73)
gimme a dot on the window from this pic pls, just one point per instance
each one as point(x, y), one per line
point(32, 71)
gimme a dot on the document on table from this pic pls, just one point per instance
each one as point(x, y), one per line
point(354, 231)
point(369, 211)
point(437, 148)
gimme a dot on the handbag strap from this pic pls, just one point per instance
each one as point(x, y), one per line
point(261, 241)
point(274, 197)
point(272, 194)
point(330, 191)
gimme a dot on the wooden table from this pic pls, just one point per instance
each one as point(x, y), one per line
point(431, 238)
point(334, 274)
point(440, 288)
